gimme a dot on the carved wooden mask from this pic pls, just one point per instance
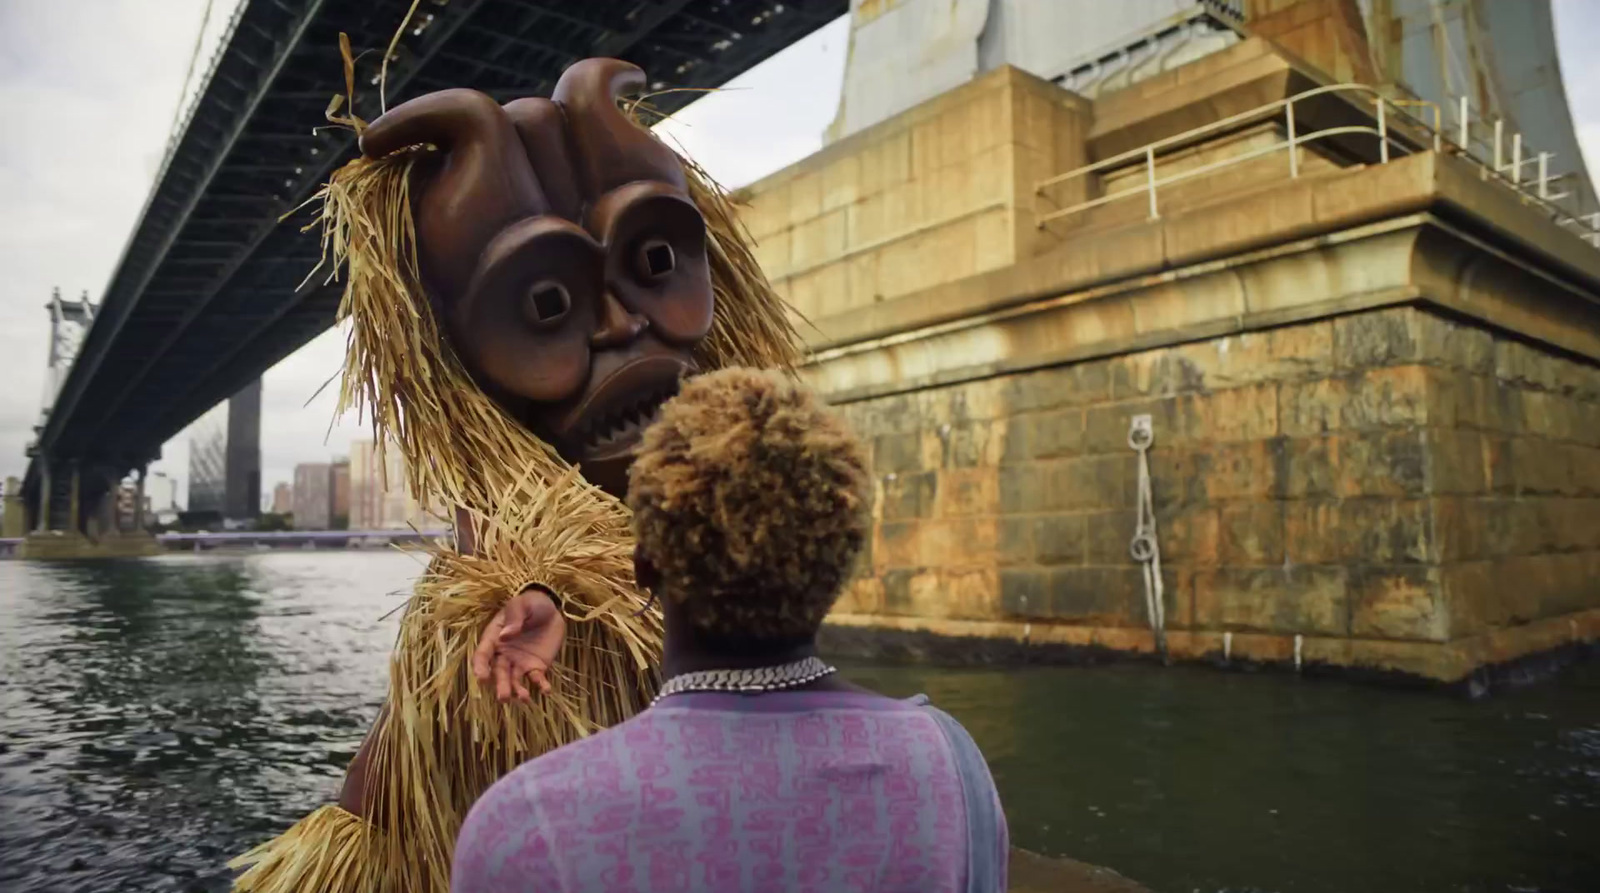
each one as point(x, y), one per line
point(563, 254)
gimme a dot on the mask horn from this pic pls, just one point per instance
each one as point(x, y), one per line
point(610, 150)
point(483, 183)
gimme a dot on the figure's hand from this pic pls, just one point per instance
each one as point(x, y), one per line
point(521, 641)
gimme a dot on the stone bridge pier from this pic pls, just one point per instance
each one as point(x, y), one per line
point(68, 508)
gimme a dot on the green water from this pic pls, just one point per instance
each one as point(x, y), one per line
point(159, 716)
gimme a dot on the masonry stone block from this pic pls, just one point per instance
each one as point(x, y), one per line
point(1313, 467)
point(1094, 482)
point(966, 492)
point(1370, 530)
point(1385, 531)
point(1469, 594)
point(1050, 434)
point(1299, 599)
point(841, 182)
point(1190, 536)
point(1026, 488)
point(1399, 602)
point(957, 542)
point(1383, 462)
point(1173, 420)
point(897, 453)
point(1244, 413)
point(897, 545)
point(971, 444)
point(804, 198)
point(1542, 467)
point(1252, 533)
point(1387, 397)
point(1456, 461)
point(1251, 470)
point(1099, 596)
point(1584, 462)
point(1014, 540)
point(1175, 479)
point(1060, 538)
point(1024, 592)
point(1074, 385)
point(1472, 528)
point(909, 495)
point(1108, 536)
point(1381, 338)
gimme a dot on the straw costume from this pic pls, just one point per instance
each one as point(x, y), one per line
point(525, 285)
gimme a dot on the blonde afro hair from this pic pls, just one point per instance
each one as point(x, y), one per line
point(749, 498)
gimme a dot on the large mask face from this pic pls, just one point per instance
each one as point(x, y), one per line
point(563, 255)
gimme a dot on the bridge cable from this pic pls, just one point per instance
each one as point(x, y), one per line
point(194, 55)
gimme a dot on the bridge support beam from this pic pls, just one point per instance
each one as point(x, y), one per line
point(42, 522)
point(75, 501)
point(138, 501)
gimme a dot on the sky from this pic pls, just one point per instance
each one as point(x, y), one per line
point(88, 94)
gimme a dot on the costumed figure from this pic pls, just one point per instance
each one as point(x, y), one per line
point(525, 285)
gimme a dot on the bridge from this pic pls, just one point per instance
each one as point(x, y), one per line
point(211, 288)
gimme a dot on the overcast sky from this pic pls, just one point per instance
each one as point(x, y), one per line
point(88, 90)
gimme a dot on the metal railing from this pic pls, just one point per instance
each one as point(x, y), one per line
point(1536, 190)
point(181, 126)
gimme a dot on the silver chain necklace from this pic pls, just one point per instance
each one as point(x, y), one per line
point(776, 678)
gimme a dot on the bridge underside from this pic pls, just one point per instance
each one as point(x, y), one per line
point(213, 287)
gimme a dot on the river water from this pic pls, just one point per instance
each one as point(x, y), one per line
point(159, 716)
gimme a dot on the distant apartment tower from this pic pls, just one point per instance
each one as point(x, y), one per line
point(208, 461)
point(225, 458)
point(313, 498)
point(282, 498)
point(161, 493)
point(339, 494)
point(379, 498)
point(242, 490)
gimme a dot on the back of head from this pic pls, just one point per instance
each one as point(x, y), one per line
point(749, 498)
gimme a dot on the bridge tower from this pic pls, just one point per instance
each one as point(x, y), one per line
point(68, 504)
point(51, 506)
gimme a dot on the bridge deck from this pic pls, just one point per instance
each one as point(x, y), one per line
point(205, 296)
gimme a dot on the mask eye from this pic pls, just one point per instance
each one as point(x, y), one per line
point(546, 303)
point(656, 261)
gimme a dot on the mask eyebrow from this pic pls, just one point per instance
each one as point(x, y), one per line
point(620, 209)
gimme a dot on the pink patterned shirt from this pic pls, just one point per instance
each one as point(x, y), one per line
point(786, 791)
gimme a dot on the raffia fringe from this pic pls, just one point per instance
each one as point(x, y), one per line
point(329, 850)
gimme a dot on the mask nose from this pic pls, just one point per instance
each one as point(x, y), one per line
point(617, 326)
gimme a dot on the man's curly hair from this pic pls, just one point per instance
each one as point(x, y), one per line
point(750, 497)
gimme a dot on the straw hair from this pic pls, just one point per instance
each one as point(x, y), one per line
point(444, 738)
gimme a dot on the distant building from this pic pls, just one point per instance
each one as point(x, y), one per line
point(13, 521)
point(379, 498)
point(208, 461)
point(339, 493)
point(313, 497)
point(128, 509)
point(161, 498)
point(161, 489)
point(282, 499)
point(242, 479)
point(225, 458)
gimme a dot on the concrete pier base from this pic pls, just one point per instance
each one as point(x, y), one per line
point(1373, 382)
point(57, 545)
